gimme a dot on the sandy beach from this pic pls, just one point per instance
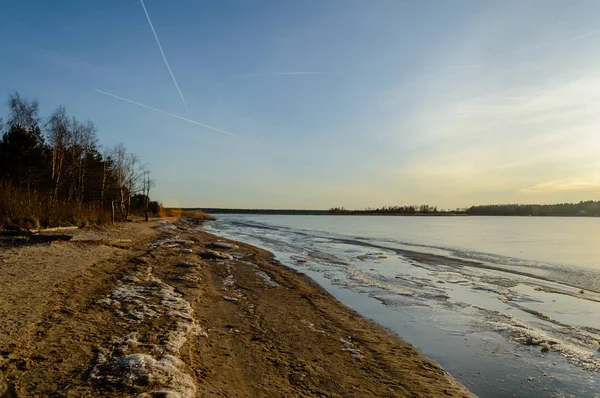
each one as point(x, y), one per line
point(164, 309)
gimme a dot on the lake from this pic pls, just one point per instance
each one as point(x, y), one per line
point(508, 305)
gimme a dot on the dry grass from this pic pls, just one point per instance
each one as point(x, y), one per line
point(178, 212)
point(24, 209)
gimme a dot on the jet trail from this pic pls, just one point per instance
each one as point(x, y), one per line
point(165, 58)
point(299, 73)
point(168, 114)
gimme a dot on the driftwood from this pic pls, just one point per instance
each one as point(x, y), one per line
point(23, 238)
point(49, 238)
point(55, 229)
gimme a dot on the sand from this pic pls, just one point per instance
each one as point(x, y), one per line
point(163, 309)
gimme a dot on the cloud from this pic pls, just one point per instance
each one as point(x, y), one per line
point(583, 35)
point(64, 60)
point(519, 141)
point(466, 66)
point(165, 59)
point(583, 183)
point(550, 43)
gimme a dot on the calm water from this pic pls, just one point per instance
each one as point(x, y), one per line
point(508, 305)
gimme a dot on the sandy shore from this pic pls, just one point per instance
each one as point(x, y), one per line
point(136, 311)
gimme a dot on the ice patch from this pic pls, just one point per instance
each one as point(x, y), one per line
point(300, 259)
point(212, 254)
point(363, 279)
point(232, 299)
point(326, 258)
point(239, 256)
point(266, 279)
point(569, 347)
point(222, 245)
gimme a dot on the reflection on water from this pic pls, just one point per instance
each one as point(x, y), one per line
point(492, 299)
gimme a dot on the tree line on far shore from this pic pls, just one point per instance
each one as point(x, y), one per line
point(395, 210)
point(53, 172)
point(587, 208)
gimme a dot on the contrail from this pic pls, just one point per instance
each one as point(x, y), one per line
point(302, 73)
point(168, 114)
point(165, 58)
point(299, 73)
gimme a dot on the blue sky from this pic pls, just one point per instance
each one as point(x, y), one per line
point(337, 103)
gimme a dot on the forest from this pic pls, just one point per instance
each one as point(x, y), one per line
point(395, 210)
point(582, 209)
point(587, 208)
point(54, 172)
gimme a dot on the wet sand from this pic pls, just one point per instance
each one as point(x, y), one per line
point(136, 311)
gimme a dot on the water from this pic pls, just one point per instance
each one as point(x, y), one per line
point(509, 306)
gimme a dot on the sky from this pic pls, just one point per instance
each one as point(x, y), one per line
point(316, 104)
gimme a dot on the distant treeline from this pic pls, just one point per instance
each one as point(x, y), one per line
point(588, 208)
point(53, 172)
point(391, 210)
point(394, 210)
point(263, 211)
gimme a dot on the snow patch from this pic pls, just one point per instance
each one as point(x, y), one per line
point(141, 297)
point(170, 242)
point(311, 326)
point(229, 281)
point(142, 372)
point(349, 347)
point(166, 227)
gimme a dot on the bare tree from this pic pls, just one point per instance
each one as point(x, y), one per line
point(133, 180)
point(107, 168)
point(119, 158)
point(147, 183)
point(23, 113)
point(60, 137)
point(84, 141)
point(128, 173)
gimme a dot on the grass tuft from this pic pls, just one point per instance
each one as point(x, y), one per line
point(198, 215)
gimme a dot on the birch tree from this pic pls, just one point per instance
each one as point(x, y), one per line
point(60, 138)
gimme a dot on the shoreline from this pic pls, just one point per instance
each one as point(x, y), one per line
point(240, 325)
